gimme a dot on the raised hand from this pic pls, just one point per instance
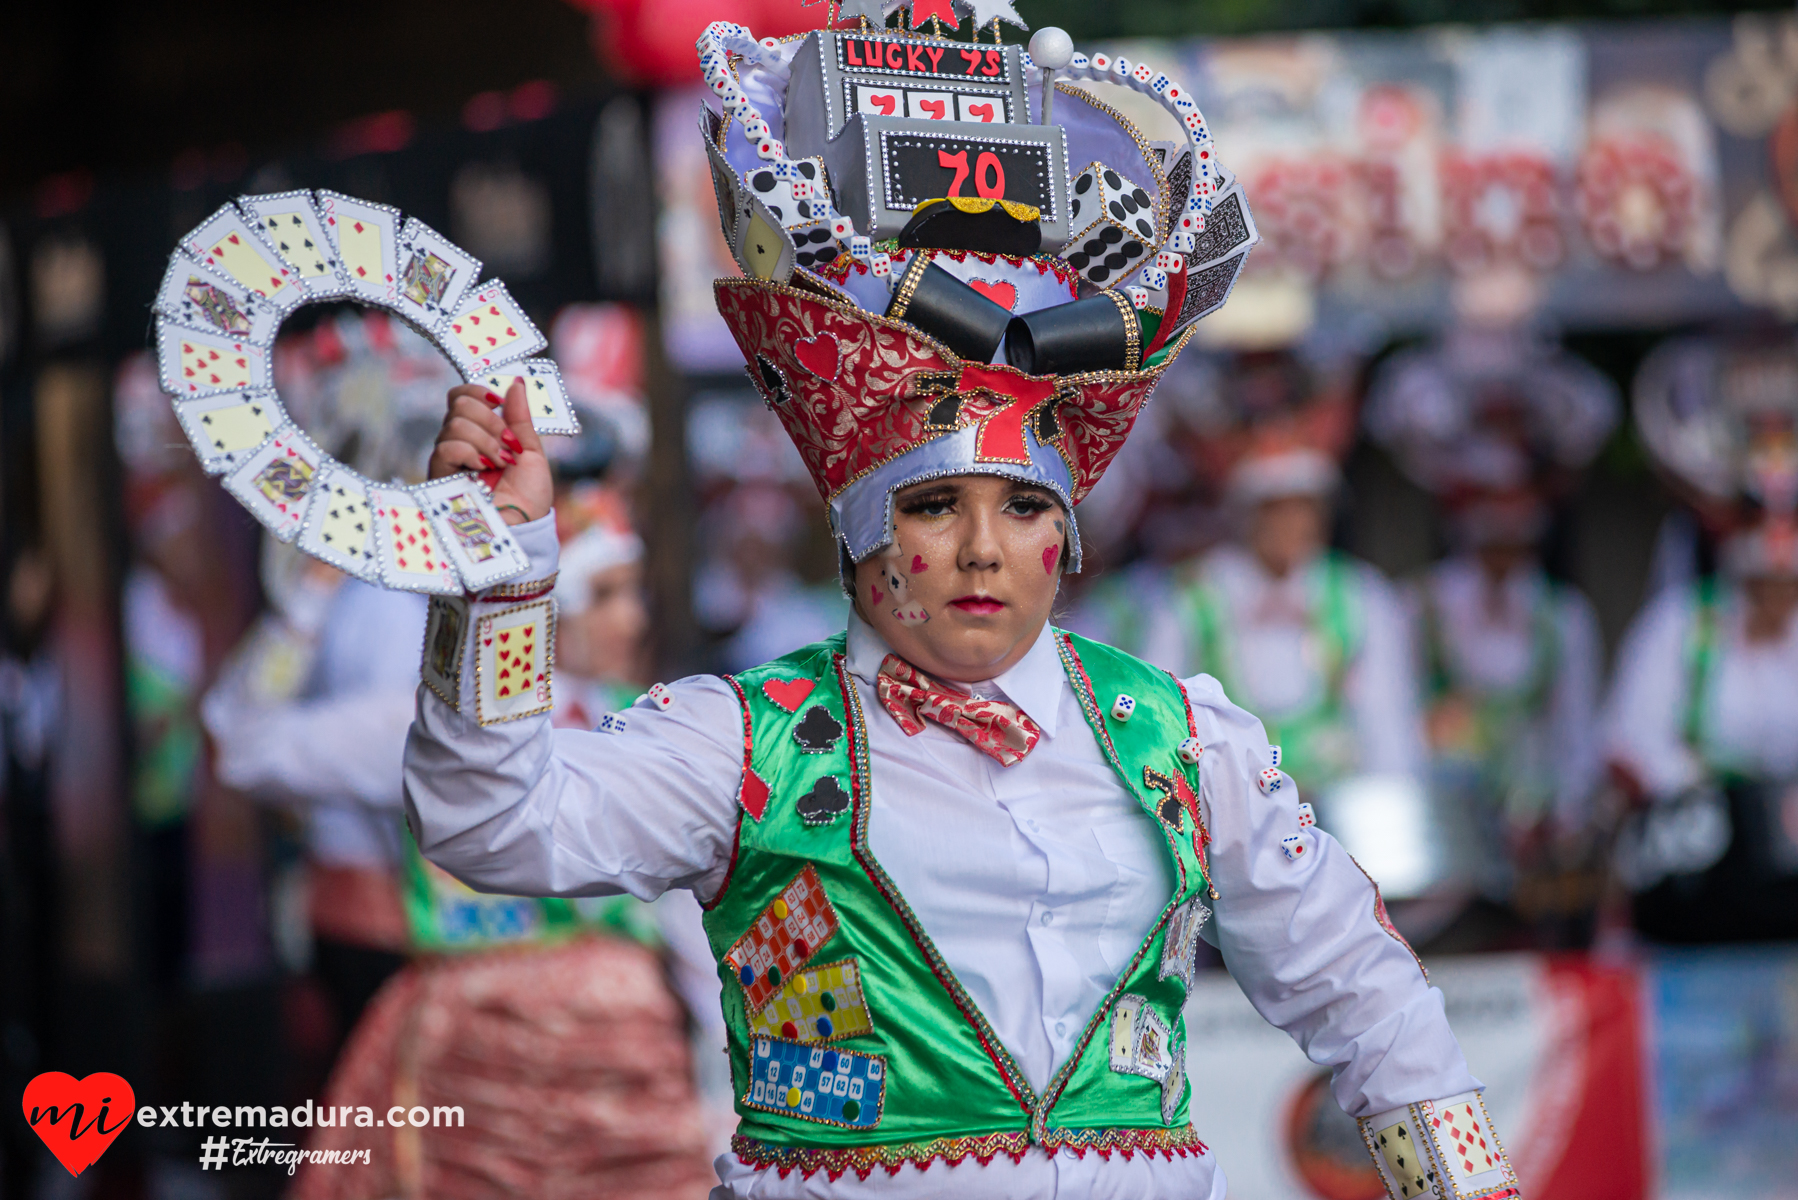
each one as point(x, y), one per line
point(493, 437)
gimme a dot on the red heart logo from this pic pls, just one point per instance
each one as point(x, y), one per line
point(819, 355)
point(918, 565)
point(507, 636)
point(788, 693)
point(1003, 294)
point(78, 1119)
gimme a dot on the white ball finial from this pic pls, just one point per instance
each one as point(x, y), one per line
point(1051, 48)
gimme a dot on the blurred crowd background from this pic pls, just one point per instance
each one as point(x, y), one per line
point(1545, 214)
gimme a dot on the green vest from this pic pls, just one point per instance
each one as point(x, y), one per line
point(852, 1044)
point(1317, 744)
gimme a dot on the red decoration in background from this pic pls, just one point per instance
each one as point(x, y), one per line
point(1637, 200)
point(1299, 206)
point(1498, 206)
point(651, 41)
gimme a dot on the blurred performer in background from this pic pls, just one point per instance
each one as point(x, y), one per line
point(1702, 724)
point(1497, 425)
point(550, 1022)
point(1308, 638)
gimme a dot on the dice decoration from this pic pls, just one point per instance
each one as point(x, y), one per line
point(613, 723)
point(1123, 707)
point(1274, 751)
point(1271, 781)
point(1116, 223)
point(661, 697)
point(1293, 847)
point(1190, 750)
point(1307, 815)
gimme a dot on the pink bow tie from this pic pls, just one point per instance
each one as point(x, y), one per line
point(999, 730)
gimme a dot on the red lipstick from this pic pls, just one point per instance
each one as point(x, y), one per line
point(984, 606)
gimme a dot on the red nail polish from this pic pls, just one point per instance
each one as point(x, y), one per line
point(491, 478)
point(511, 439)
point(488, 463)
point(494, 399)
point(507, 457)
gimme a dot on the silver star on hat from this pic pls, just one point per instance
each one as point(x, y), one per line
point(985, 12)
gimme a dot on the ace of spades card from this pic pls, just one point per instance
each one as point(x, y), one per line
point(275, 481)
point(230, 246)
point(512, 662)
point(433, 274)
point(487, 331)
point(339, 526)
point(291, 224)
point(195, 295)
point(224, 429)
point(472, 532)
point(193, 362)
point(367, 240)
point(411, 558)
point(551, 410)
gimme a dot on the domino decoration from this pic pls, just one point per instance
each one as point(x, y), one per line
point(230, 284)
point(1443, 1149)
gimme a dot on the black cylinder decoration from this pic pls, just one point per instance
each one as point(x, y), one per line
point(948, 310)
point(1100, 333)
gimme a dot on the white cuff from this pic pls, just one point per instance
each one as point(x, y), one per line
point(1442, 1149)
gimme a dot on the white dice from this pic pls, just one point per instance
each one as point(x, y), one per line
point(661, 697)
point(1307, 815)
point(1275, 751)
point(1190, 750)
point(1139, 297)
point(1271, 781)
point(1122, 707)
point(1170, 262)
point(1153, 277)
point(881, 265)
point(1115, 220)
point(1293, 847)
point(611, 723)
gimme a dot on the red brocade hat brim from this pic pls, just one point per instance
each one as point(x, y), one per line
point(856, 391)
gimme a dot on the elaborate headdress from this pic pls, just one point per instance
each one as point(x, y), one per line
point(1721, 417)
point(956, 261)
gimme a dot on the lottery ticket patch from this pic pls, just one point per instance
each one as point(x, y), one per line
point(783, 939)
point(816, 1083)
point(818, 1004)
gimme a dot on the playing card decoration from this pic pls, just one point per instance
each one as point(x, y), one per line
point(1443, 1149)
point(512, 662)
point(230, 284)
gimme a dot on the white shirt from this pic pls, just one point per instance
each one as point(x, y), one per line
point(1492, 649)
point(1034, 881)
point(1275, 663)
point(1750, 708)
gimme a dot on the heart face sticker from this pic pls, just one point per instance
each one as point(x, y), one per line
point(1005, 295)
point(78, 1118)
point(819, 355)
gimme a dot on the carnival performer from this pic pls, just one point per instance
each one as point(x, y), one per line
point(550, 1023)
point(1497, 425)
point(955, 862)
point(1310, 638)
point(1702, 719)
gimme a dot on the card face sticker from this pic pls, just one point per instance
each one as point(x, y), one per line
point(339, 526)
point(224, 429)
point(1179, 952)
point(275, 481)
point(1465, 1144)
point(290, 223)
point(367, 240)
point(551, 410)
point(512, 662)
point(228, 245)
point(433, 273)
point(764, 248)
point(406, 546)
point(446, 630)
point(818, 1004)
point(1141, 1043)
point(786, 934)
point(194, 363)
point(193, 295)
point(817, 1083)
point(472, 532)
point(1404, 1161)
point(487, 331)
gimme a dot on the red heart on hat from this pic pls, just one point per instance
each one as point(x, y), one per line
point(819, 355)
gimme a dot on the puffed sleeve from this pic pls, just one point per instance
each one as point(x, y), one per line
point(1304, 934)
point(508, 804)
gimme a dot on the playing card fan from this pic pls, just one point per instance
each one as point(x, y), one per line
point(230, 284)
point(1702, 721)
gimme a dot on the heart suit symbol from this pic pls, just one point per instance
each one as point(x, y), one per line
point(78, 1118)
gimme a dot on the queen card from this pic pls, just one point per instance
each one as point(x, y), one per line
point(434, 274)
point(472, 532)
point(194, 295)
point(274, 482)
